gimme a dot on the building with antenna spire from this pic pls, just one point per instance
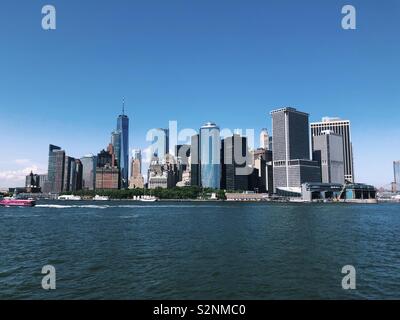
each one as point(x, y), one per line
point(123, 129)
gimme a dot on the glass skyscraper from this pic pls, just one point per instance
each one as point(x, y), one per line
point(56, 169)
point(123, 128)
point(88, 164)
point(210, 156)
point(396, 168)
point(116, 142)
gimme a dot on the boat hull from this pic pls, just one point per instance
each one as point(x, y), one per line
point(17, 203)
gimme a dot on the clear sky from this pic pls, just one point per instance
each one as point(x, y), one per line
point(228, 61)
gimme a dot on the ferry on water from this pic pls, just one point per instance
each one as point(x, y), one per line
point(14, 202)
point(69, 198)
point(101, 198)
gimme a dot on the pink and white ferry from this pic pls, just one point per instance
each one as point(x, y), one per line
point(12, 202)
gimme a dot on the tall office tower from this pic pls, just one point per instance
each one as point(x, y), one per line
point(236, 163)
point(89, 164)
point(328, 151)
point(69, 170)
point(291, 150)
point(396, 170)
point(264, 139)
point(137, 180)
point(182, 155)
point(341, 127)
point(56, 169)
point(123, 127)
point(262, 161)
point(210, 156)
point(77, 180)
point(116, 143)
point(160, 143)
point(195, 161)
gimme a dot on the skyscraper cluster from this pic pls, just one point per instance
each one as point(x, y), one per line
point(296, 152)
point(109, 169)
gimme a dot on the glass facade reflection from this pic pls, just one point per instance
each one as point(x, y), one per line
point(123, 128)
point(210, 156)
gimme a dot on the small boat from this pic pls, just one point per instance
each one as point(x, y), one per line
point(148, 199)
point(11, 202)
point(69, 197)
point(101, 198)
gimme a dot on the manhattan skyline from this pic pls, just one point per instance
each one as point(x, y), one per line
point(229, 63)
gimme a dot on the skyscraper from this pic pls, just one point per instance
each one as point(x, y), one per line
point(396, 170)
point(341, 127)
point(291, 150)
point(235, 163)
point(328, 151)
point(137, 180)
point(56, 169)
point(116, 142)
point(210, 156)
point(195, 161)
point(123, 128)
point(264, 139)
point(89, 164)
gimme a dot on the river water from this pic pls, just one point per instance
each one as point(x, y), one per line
point(199, 250)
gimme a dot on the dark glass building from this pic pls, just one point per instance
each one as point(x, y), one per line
point(195, 161)
point(235, 164)
point(123, 128)
point(56, 169)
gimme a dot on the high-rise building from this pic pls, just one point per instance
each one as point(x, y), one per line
point(116, 143)
point(123, 128)
point(262, 161)
point(291, 150)
point(160, 143)
point(195, 161)
point(56, 169)
point(210, 156)
point(77, 176)
point(236, 164)
point(137, 180)
point(264, 139)
point(89, 164)
point(107, 172)
point(328, 151)
point(341, 127)
point(396, 171)
point(69, 173)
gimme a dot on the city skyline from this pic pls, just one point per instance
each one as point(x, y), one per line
point(224, 62)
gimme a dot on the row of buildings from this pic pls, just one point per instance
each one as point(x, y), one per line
point(297, 152)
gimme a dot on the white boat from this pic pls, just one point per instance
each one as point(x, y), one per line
point(69, 198)
point(148, 199)
point(101, 198)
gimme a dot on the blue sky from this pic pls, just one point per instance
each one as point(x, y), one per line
point(228, 61)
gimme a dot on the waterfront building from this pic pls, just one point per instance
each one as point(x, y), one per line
point(195, 161)
point(396, 171)
point(107, 171)
point(236, 163)
point(264, 139)
point(32, 183)
point(116, 143)
point(76, 183)
point(56, 169)
point(262, 161)
point(69, 170)
point(291, 151)
point(89, 164)
point(137, 180)
point(341, 127)
point(123, 128)
point(107, 178)
point(328, 151)
point(157, 176)
point(210, 156)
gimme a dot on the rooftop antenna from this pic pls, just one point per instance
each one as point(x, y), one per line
point(123, 106)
